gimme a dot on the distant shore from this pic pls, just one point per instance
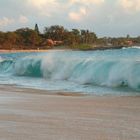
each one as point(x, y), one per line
point(58, 36)
point(58, 49)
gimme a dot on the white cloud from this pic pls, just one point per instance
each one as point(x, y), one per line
point(41, 3)
point(88, 6)
point(86, 2)
point(45, 7)
point(6, 21)
point(23, 19)
point(130, 6)
point(37, 3)
point(52, 7)
point(78, 16)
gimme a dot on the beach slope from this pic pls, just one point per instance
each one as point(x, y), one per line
point(27, 114)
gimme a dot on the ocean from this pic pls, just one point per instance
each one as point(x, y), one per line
point(104, 72)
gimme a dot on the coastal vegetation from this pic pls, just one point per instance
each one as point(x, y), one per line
point(57, 36)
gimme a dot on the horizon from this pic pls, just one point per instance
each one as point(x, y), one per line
point(104, 17)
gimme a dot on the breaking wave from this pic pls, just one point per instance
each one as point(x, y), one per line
point(86, 70)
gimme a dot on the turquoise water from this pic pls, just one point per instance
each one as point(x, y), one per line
point(115, 72)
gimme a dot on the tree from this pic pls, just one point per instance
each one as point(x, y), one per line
point(76, 36)
point(128, 36)
point(92, 37)
point(55, 32)
point(28, 37)
point(76, 32)
point(70, 38)
point(88, 37)
point(2, 38)
point(11, 37)
point(37, 29)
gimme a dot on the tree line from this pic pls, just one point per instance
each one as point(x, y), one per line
point(26, 38)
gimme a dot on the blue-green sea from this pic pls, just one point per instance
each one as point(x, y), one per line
point(105, 72)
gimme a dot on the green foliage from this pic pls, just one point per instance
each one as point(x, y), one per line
point(26, 38)
point(81, 47)
point(37, 29)
point(2, 38)
point(54, 32)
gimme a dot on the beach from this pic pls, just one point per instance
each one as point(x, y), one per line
point(69, 70)
point(15, 51)
point(29, 114)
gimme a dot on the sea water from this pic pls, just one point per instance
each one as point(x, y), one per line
point(106, 72)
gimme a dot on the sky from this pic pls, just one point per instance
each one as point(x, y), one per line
point(105, 17)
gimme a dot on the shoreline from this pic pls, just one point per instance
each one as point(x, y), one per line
point(14, 51)
point(35, 114)
point(21, 89)
point(66, 49)
point(20, 51)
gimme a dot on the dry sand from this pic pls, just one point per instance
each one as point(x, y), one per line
point(16, 51)
point(27, 114)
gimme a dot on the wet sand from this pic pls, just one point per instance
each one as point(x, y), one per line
point(27, 114)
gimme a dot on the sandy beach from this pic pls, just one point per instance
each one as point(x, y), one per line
point(27, 114)
point(32, 50)
point(15, 51)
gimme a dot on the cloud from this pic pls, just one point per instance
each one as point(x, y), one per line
point(51, 8)
point(77, 16)
point(88, 7)
point(37, 3)
point(87, 2)
point(6, 21)
point(44, 7)
point(130, 6)
point(41, 3)
point(23, 19)
point(105, 17)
